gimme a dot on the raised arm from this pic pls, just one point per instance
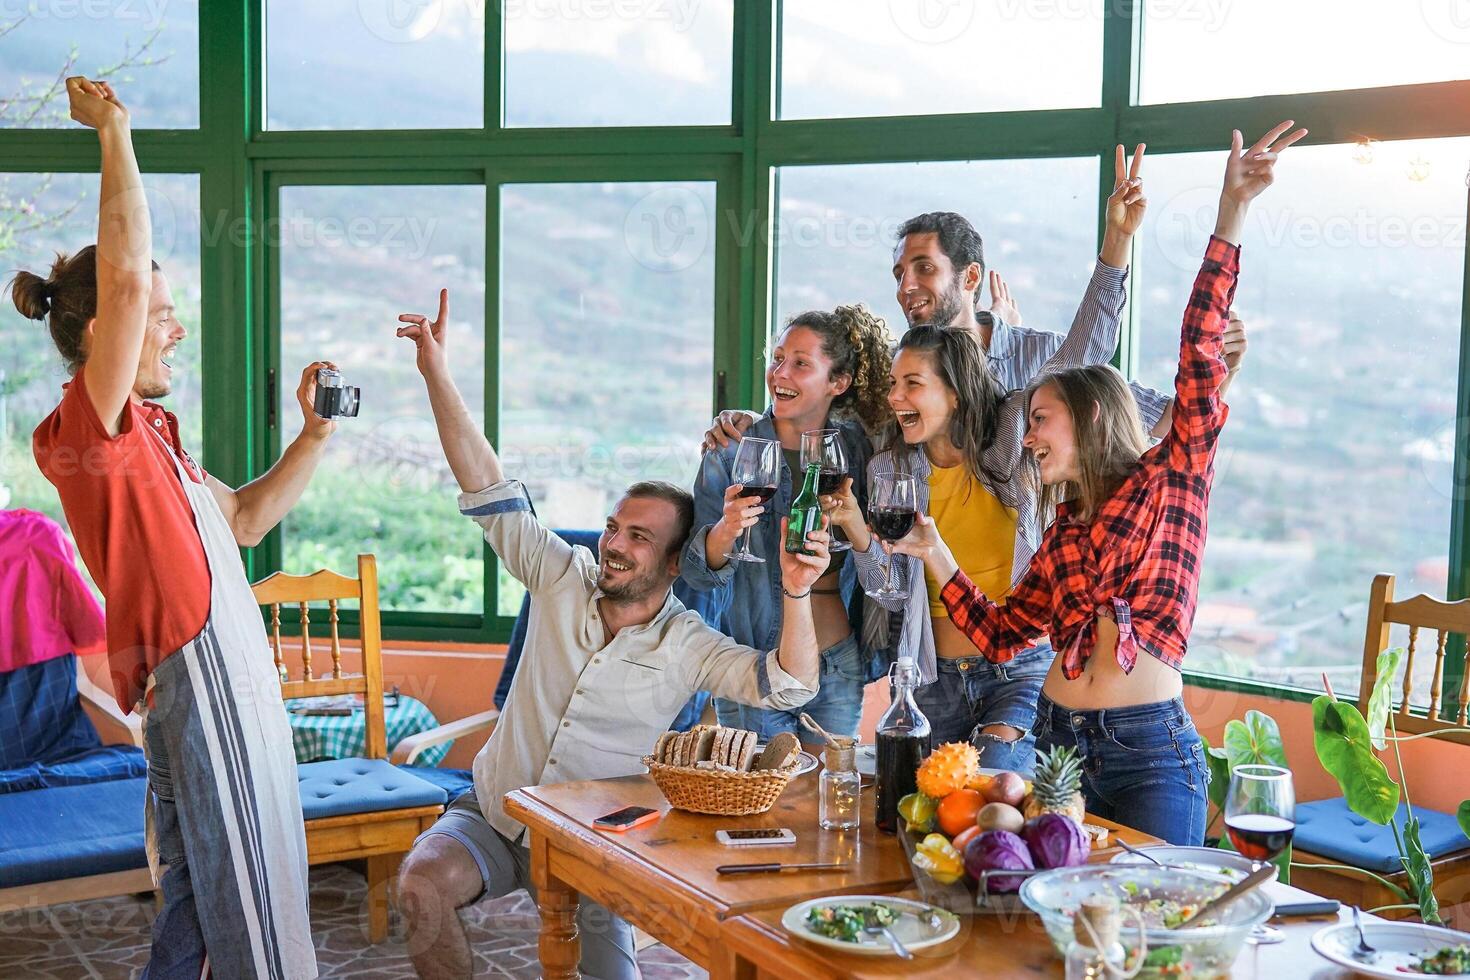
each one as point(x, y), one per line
point(1199, 413)
point(124, 254)
point(471, 457)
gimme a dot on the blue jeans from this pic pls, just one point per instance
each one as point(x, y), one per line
point(972, 692)
point(838, 706)
point(1142, 765)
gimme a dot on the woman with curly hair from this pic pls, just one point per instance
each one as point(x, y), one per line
point(826, 371)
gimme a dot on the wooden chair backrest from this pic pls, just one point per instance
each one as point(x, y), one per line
point(1420, 612)
point(326, 586)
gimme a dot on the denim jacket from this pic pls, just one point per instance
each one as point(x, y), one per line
point(747, 595)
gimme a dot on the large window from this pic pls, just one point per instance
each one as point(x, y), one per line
point(151, 50)
point(556, 164)
point(1197, 50)
point(629, 63)
point(922, 57)
point(1336, 463)
point(606, 341)
point(352, 259)
point(41, 215)
point(837, 226)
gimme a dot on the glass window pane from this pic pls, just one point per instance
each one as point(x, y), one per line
point(606, 342)
point(148, 50)
point(1336, 463)
point(424, 60)
point(352, 259)
point(837, 226)
point(638, 63)
point(40, 215)
point(1335, 44)
point(919, 57)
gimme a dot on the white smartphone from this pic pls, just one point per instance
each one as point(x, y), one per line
point(755, 837)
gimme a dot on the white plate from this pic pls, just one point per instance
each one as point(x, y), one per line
point(866, 759)
point(911, 930)
point(1232, 866)
point(1398, 943)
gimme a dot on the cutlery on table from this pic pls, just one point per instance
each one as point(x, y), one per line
point(1139, 851)
point(873, 927)
point(1249, 883)
point(1364, 953)
point(744, 869)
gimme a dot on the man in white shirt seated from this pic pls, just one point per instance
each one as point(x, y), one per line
point(610, 658)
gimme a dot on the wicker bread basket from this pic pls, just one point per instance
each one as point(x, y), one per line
point(725, 794)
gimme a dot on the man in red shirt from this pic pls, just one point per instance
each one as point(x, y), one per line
point(186, 643)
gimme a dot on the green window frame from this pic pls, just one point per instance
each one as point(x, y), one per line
point(241, 167)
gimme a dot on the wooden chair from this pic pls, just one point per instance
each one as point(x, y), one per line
point(1452, 871)
point(381, 836)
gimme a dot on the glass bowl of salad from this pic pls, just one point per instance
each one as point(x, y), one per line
point(1164, 897)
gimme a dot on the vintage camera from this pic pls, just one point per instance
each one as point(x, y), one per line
point(334, 400)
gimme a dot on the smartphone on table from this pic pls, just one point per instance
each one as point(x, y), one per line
point(755, 837)
point(626, 819)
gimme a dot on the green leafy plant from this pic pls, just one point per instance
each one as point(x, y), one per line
point(1253, 741)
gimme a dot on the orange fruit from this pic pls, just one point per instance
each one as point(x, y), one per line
point(964, 838)
point(958, 811)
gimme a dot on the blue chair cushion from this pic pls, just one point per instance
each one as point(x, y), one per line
point(338, 787)
point(40, 714)
point(455, 782)
point(97, 765)
point(72, 832)
point(1329, 829)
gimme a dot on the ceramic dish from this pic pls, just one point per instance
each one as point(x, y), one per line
point(1232, 866)
point(912, 926)
point(1399, 945)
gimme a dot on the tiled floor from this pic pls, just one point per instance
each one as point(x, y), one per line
point(108, 939)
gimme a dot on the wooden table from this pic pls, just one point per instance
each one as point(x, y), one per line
point(661, 877)
point(1016, 946)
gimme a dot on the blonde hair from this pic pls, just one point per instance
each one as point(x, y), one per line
point(1109, 436)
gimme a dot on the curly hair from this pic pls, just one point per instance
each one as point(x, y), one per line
point(859, 345)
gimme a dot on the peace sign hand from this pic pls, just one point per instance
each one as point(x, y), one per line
point(1126, 205)
point(1249, 173)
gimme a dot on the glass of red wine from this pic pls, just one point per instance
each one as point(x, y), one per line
point(758, 470)
point(824, 447)
point(1260, 817)
point(893, 500)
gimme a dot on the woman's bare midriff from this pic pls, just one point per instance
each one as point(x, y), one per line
point(828, 613)
point(1103, 683)
point(949, 642)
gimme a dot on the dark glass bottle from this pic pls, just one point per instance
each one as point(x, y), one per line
point(806, 512)
point(903, 742)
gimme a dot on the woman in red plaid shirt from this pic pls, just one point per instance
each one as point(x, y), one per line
point(1117, 573)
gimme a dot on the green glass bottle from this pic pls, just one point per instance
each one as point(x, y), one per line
point(806, 512)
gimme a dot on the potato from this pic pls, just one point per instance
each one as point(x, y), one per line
point(1000, 816)
point(1007, 787)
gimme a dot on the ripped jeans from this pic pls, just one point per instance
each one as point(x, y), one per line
point(973, 693)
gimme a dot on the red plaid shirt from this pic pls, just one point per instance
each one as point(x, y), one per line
point(1138, 562)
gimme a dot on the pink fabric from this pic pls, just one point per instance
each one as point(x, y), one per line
point(46, 608)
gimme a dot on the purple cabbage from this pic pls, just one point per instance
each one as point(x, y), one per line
point(1056, 841)
point(998, 850)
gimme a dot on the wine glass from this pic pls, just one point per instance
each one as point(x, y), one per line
point(893, 501)
point(758, 469)
point(1260, 817)
point(824, 447)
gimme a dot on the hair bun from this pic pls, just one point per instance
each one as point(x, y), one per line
point(32, 295)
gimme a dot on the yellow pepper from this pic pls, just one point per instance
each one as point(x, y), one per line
point(937, 856)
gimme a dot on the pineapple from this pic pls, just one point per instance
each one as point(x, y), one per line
point(947, 769)
point(1056, 787)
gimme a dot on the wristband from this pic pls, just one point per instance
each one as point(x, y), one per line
point(790, 595)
